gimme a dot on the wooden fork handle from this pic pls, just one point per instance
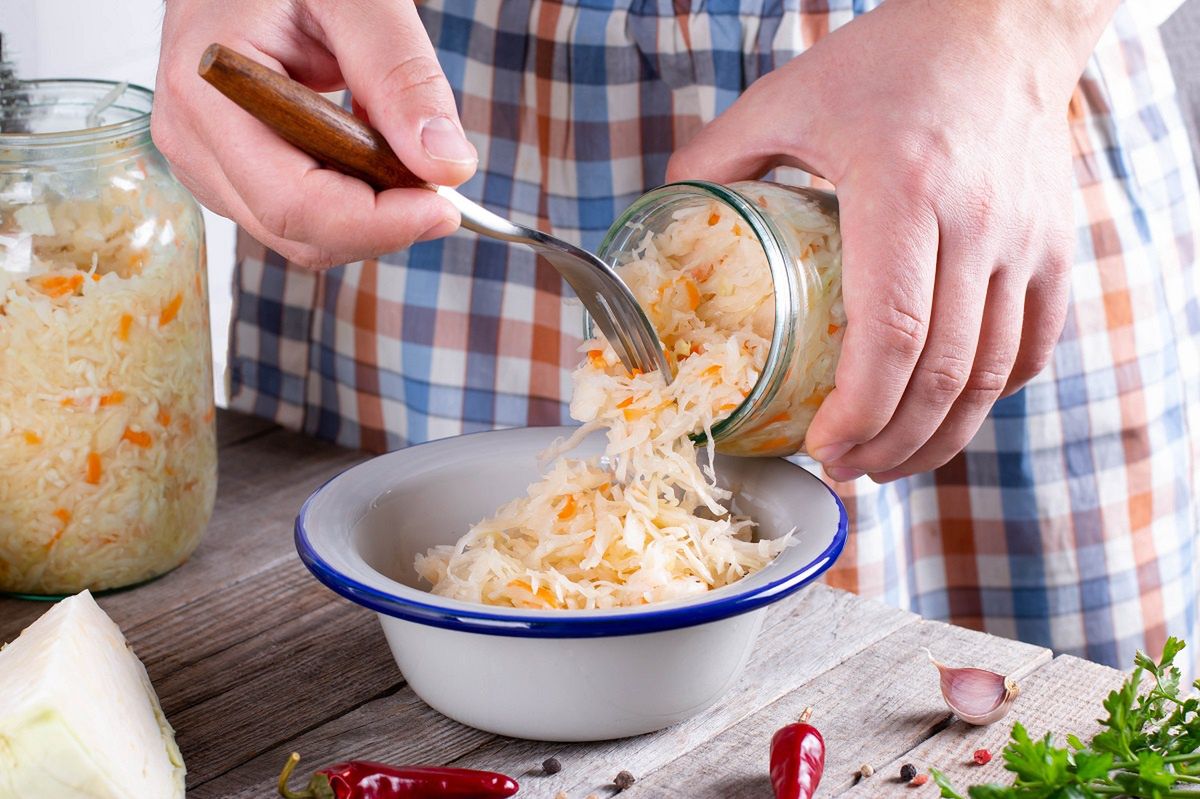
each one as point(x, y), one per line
point(330, 134)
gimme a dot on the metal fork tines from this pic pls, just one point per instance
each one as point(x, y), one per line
point(605, 296)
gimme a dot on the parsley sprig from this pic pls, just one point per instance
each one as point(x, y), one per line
point(1149, 746)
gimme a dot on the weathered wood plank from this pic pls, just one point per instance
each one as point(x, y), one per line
point(871, 708)
point(212, 624)
point(1062, 697)
point(397, 728)
point(833, 623)
point(267, 690)
point(821, 629)
point(262, 484)
point(236, 428)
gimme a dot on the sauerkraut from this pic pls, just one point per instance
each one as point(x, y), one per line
point(107, 445)
point(778, 424)
point(648, 522)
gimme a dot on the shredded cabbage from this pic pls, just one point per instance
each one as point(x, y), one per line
point(106, 419)
point(648, 522)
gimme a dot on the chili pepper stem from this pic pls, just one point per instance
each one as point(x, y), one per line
point(286, 774)
point(806, 715)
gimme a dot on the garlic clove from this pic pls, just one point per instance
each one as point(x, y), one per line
point(977, 696)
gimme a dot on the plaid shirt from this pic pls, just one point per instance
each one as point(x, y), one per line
point(1069, 519)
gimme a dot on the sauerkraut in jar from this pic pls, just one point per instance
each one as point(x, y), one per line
point(107, 435)
point(783, 241)
point(743, 286)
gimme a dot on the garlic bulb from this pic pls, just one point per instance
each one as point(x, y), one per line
point(976, 696)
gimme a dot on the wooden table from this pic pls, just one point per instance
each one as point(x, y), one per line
point(252, 659)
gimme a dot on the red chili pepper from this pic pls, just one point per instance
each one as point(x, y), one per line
point(362, 779)
point(797, 759)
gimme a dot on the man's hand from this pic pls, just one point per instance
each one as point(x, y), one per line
point(943, 126)
point(240, 169)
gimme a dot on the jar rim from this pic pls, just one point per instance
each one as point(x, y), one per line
point(132, 98)
point(782, 278)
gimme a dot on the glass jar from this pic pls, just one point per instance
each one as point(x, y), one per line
point(798, 231)
point(107, 435)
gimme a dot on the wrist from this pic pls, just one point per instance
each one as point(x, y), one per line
point(1052, 38)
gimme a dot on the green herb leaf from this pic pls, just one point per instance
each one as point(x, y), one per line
point(1148, 747)
point(1090, 766)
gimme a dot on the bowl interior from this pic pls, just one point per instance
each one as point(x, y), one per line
point(368, 524)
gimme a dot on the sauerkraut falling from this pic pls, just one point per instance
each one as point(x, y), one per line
point(106, 416)
point(648, 522)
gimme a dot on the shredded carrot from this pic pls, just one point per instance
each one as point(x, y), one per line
point(58, 285)
point(544, 594)
point(635, 372)
point(713, 219)
point(737, 230)
point(603, 489)
point(95, 277)
point(93, 468)
point(773, 444)
point(115, 398)
point(123, 326)
point(625, 403)
point(209, 414)
point(701, 273)
point(66, 402)
point(164, 418)
point(171, 310)
point(63, 515)
point(596, 357)
point(778, 418)
point(568, 509)
point(136, 437)
point(762, 200)
point(833, 329)
point(715, 369)
point(693, 293)
point(633, 413)
point(729, 406)
point(32, 437)
point(816, 398)
point(697, 349)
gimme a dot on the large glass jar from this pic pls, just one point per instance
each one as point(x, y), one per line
point(107, 437)
point(799, 234)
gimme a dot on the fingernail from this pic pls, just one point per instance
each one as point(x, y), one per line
point(841, 474)
point(831, 452)
point(442, 229)
point(444, 141)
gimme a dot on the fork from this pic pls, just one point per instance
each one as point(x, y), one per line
point(342, 141)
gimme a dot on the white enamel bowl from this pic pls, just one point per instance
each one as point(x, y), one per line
point(549, 675)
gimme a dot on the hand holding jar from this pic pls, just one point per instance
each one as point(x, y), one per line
point(947, 142)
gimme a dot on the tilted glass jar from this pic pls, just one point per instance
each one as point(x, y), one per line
point(107, 435)
point(799, 234)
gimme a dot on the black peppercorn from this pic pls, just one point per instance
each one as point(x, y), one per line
point(907, 772)
point(624, 780)
point(551, 765)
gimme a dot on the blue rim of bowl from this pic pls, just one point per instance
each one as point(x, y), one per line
point(567, 624)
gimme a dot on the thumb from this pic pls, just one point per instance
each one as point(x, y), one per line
point(759, 132)
point(393, 73)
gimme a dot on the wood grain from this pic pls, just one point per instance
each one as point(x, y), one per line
point(252, 658)
point(1063, 697)
point(307, 120)
point(820, 631)
point(263, 481)
point(871, 708)
point(836, 624)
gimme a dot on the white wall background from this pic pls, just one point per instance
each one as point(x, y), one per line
point(113, 40)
